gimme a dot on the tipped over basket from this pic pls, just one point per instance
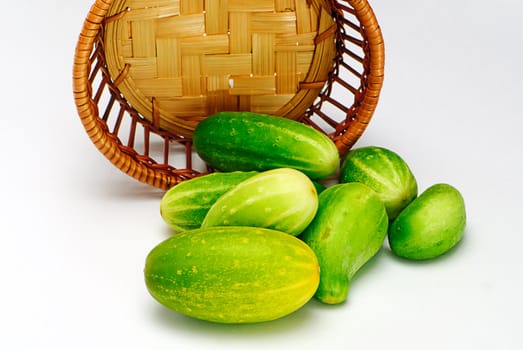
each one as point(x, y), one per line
point(146, 72)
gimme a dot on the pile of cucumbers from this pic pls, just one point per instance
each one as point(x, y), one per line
point(257, 239)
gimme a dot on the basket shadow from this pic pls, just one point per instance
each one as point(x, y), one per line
point(126, 188)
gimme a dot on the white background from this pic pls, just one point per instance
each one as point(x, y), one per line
point(75, 231)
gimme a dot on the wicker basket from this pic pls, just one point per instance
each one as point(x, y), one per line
point(147, 71)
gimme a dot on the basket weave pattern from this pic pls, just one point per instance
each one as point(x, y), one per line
point(155, 147)
point(179, 61)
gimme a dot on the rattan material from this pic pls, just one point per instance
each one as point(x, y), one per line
point(187, 59)
point(154, 146)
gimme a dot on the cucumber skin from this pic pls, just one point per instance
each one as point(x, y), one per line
point(232, 274)
point(282, 199)
point(319, 187)
point(247, 141)
point(348, 230)
point(184, 206)
point(385, 172)
point(429, 226)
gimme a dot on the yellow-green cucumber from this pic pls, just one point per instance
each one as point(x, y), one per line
point(348, 230)
point(282, 199)
point(232, 274)
point(184, 206)
point(248, 141)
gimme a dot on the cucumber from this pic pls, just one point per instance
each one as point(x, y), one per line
point(431, 225)
point(319, 186)
point(385, 172)
point(283, 199)
point(247, 141)
point(184, 206)
point(348, 230)
point(232, 274)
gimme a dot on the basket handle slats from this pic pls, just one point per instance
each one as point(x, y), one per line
point(118, 122)
point(86, 68)
point(374, 67)
point(109, 108)
point(354, 90)
point(166, 149)
point(351, 69)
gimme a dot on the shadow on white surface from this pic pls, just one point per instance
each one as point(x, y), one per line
point(172, 320)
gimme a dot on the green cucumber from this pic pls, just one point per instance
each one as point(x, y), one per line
point(232, 274)
point(248, 141)
point(282, 199)
point(385, 172)
point(184, 206)
point(319, 186)
point(431, 225)
point(348, 230)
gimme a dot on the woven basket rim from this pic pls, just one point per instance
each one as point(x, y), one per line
point(164, 175)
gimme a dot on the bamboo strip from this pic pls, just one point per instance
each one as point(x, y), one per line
point(181, 26)
point(217, 83)
point(185, 106)
point(191, 70)
point(216, 16)
point(251, 6)
point(273, 22)
point(287, 78)
point(262, 53)
point(153, 3)
point(303, 63)
point(304, 22)
point(142, 68)
point(295, 42)
point(152, 13)
point(240, 39)
point(284, 5)
point(205, 45)
point(249, 85)
point(269, 104)
point(221, 100)
point(188, 7)
point(227, 64)
point(159, 88)
point(143, 38)
point(244, 102)
point(125, 47)
point(168, 58)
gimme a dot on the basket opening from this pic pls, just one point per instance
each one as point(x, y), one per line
point(177, 64)
point(137, 143)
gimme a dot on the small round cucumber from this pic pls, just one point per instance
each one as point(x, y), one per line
point(184, 206)
point(385, 172)
point(431, 225)
point(247, 141)
point(282, 199)
point(232, 274)
point(348, 230)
